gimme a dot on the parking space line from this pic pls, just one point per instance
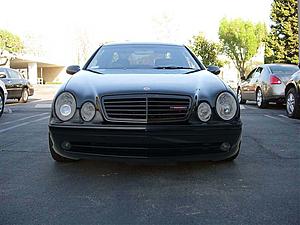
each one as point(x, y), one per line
point(22, 124)
point(43, 106)
point(250, 107)
point(25, 118)
point(284, 116)
point(34, 101)
point(295, 121)
point(275, 118)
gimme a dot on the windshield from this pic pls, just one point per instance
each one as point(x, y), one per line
point(283, 70)
point(142, 56)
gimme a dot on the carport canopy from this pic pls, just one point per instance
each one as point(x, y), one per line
point(38, 71)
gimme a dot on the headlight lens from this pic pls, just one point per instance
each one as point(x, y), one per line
point(88, 111)
point(65, 106)
point(226, 106)
point(204, 112)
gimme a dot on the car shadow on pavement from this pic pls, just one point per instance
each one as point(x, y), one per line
point(270, 106)
point(96, 168)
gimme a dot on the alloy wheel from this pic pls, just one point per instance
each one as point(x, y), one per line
point(259, 98)
point(290, 103)
point(1, 104)
point(239, 95)
point(25, 95)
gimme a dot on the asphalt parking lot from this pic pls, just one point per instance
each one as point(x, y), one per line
point(260, 187)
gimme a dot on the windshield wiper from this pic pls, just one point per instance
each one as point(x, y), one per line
point(193, 71)
point(93, 71)
point(172, 68)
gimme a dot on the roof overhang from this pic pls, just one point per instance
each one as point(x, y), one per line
point(23, 61)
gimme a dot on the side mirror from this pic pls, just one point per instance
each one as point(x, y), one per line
point(2, 75)
point(214, 69)
point(72, 69)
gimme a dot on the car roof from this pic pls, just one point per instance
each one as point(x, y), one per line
point(278, 64)
point(141, 43)
point(7, 68)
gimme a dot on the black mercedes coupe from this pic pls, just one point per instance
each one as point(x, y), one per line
point(144, 101)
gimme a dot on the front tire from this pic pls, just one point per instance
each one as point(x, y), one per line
point(24, 96)
point(260, 99)
point(1, 103)
point(292, 104)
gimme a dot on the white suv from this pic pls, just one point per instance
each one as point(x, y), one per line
point(3, 97)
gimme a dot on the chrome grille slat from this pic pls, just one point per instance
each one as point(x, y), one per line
point(125, 106)
point(128, 114)
point(159, 110)
point(125, 102)
point(125, 110)
point(167, 114)
point(167, 102)
point(146, 108)
point(157, 106)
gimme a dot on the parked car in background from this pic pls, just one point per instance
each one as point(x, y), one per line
point(3, 96)
point(145, 101)
point(265, 84)
point(292, 96)
point(232, 84)
point(17, 86)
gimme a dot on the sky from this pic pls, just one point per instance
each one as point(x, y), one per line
point(55, 26)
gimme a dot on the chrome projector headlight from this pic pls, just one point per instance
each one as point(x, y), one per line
point(226, 106)
point(88, 111)
point(204, 112)
point(65, 106)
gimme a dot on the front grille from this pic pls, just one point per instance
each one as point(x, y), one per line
point(148, 108)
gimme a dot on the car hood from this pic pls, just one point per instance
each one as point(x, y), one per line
point(87, 85)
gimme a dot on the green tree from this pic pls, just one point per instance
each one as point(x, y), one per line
point(282, 42)
point(207, 50)
point(10, 42)
point(241, 40)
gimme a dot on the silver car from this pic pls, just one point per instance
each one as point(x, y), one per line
point(265, 84)
point(3, 97)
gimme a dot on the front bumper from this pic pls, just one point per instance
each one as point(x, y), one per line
point(30, 91)
point(275, 93)
point(165, 142)
point(5, 96)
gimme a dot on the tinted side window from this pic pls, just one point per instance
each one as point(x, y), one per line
point(251, 74)
point(258, 72)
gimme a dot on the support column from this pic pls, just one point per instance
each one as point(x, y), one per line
point(32, 72)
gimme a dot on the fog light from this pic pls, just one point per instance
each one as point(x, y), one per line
point(66, 145)
point(225, 146)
